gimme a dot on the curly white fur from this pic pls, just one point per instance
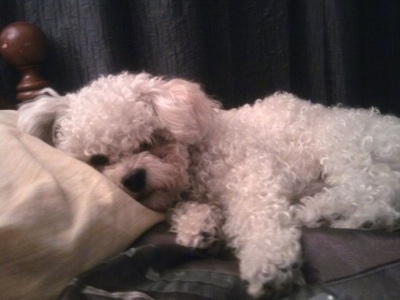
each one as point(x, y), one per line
point(252, 175)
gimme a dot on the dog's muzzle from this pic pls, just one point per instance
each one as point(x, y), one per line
point(135, 181)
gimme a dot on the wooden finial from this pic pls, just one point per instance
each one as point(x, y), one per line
point(24, 45)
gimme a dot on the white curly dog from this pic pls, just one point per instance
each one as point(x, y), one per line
point(251, 176)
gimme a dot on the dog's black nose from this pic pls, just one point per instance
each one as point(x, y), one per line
point(135, 181)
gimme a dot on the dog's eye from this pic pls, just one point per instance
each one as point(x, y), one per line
point(98, 160)
point(144, 147)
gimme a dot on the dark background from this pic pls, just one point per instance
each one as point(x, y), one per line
point(329, 51)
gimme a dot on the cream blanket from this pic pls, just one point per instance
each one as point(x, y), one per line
point(58, 216)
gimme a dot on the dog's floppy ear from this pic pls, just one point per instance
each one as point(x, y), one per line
point(185, 110)
point(38, 117)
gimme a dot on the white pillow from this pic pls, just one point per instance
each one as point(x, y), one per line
point(58, 216)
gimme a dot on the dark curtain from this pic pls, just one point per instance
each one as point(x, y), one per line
point(329, 51)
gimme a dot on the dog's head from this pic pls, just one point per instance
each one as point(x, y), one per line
point(135, 129)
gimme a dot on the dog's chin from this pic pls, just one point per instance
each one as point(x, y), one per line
point(158, 200)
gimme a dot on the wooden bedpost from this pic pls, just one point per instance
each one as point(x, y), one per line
point(24, 45)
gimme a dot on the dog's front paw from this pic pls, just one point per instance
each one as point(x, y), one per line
point(273, 281)
point(196, 225)
point(271, 273)
point(196, 238)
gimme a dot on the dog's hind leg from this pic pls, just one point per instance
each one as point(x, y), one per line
point(366, 198)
